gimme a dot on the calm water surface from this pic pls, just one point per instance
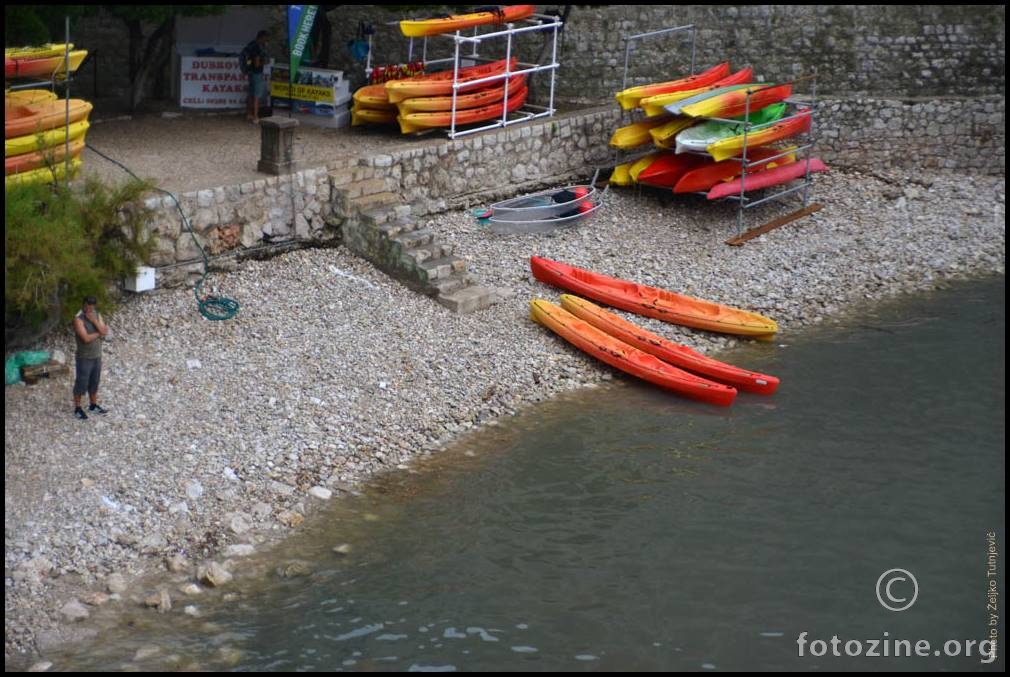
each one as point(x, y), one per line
point(626, 529)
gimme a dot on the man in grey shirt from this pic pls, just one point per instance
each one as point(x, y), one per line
point(90, 330)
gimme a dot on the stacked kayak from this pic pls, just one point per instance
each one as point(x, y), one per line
point(430, 101)
point(416, 28)
point(45, 62)
point(43, 134)
point(653, 302)
point(695, 116)
point(371, 106)
point(40, 117)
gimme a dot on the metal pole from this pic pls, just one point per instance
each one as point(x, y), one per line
point(66, 129)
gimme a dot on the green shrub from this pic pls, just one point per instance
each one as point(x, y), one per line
point(61, 244)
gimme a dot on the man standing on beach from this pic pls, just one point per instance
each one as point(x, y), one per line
point(90, 330)
point(252, 59)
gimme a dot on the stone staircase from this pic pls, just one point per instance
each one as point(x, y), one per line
point(379, 226)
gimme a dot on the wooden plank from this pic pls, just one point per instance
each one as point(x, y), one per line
point(32, 374)
point(773, 224)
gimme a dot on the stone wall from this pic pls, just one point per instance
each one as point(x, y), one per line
point(866, 50)
point(265, 214)
point(311, 206)
point(870, 50)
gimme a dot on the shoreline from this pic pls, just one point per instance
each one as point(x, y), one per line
point(333, 373)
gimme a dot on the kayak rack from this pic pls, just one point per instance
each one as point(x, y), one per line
point(537, 23)
point(745, 201)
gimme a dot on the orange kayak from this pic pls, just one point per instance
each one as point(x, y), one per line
point(440, 83)
point(627, 358)
point(483, 97)
point(28, 161)
point(418, 28)
point(665, 171)
point(374, 97)
point(630, 98)
point(38, 117)
point(372, 116)
point(668, 351)
point(43, 67)
point(652, 302)
point(413, 122)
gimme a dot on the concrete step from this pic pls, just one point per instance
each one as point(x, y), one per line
point(453, 283)
point(379, 215)
point(358, 189)
point(468, 299)
point(366, 203)
point(393, 228)
point(413, 238)
point(441, 267)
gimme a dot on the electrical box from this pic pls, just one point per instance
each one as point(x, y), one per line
point(143, 281)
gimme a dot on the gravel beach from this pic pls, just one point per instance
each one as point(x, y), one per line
point(231, 433)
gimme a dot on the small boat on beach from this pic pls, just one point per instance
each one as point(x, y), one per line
point(627, 358)
point(668, 351)
point(653, 302)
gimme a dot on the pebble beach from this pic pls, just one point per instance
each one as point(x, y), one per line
point(223, 437)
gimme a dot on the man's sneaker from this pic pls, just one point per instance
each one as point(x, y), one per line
point(79, 413)
point(98, 409)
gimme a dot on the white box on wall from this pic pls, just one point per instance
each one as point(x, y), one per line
point(143, 281)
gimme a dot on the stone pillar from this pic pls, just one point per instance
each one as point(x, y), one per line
point(277, 136)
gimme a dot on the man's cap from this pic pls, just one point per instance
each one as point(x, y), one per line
point(90, 300)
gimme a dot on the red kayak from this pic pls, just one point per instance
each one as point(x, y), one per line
point(767, 178)
point(652, 302)
point(666, 170)
point(668, 351)
point(628, 359)
point(712, 173)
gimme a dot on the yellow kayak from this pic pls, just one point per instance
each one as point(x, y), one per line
point(665, 136)
point(47, 139)
point(40, 52)
point(636, 134)
point(42, 175)
point(26, 97)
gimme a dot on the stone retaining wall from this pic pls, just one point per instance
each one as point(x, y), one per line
point(310, 206)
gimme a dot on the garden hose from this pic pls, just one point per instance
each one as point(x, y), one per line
point(211, 307)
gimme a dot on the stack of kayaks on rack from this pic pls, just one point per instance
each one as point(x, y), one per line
point(444, 98)
point(705, 155)
point(637, 351)
point(428, 101)
point(43, 134)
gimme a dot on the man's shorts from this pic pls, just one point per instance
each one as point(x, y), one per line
point(89, 374)
point(257, 86)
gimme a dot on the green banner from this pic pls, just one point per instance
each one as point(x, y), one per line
point(300, 20)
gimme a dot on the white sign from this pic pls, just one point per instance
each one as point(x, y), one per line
point(212, 82)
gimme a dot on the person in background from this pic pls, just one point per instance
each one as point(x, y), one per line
point(90, 330)
point(253, 57)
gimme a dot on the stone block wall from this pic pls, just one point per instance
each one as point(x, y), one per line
point(311, 206)
point(867, 50)
point(871, 50)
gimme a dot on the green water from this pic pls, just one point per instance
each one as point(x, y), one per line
point(625, 529)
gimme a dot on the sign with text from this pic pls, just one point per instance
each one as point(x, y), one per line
point(212, 82)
